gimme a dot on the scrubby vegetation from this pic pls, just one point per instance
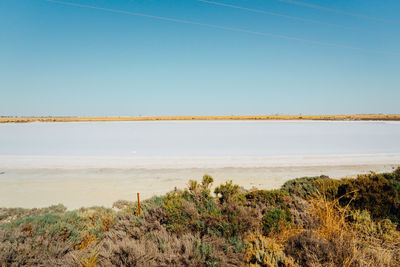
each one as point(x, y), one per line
point(314, 221)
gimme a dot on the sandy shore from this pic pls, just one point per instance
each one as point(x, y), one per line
point(75, 186)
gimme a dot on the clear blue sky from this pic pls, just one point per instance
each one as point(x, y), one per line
point(58, 59)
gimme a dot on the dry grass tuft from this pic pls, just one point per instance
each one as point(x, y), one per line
point(331, 215)
point(344, 237)
point(89, 260)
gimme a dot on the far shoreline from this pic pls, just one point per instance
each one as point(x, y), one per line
point(363, 117)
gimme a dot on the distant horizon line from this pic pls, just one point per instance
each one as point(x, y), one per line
point(24, 119)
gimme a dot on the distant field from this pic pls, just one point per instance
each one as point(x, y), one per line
point(394, 117)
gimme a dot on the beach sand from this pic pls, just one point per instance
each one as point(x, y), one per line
point(29, 187)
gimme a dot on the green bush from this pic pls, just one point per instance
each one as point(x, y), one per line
point(372, 192)
point(303, 187)
point(197, 210)
point(328, 187)
point(207, 181)
point(269, 198)
point(193, 209)
point(275, 220)
point(177, 218)
point(227, 192)
point(394, 178)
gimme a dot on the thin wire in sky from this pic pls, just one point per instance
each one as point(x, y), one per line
point(339, 11)
point(223, 27)
point(288, 17)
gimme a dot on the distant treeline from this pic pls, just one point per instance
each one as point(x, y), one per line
point(373, 117)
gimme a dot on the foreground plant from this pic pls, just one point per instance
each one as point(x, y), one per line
point(313, 221)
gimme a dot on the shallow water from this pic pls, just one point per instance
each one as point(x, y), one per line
point(200, 138)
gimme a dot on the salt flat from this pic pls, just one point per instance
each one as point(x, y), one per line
point(97, 163)
point(177, 139)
